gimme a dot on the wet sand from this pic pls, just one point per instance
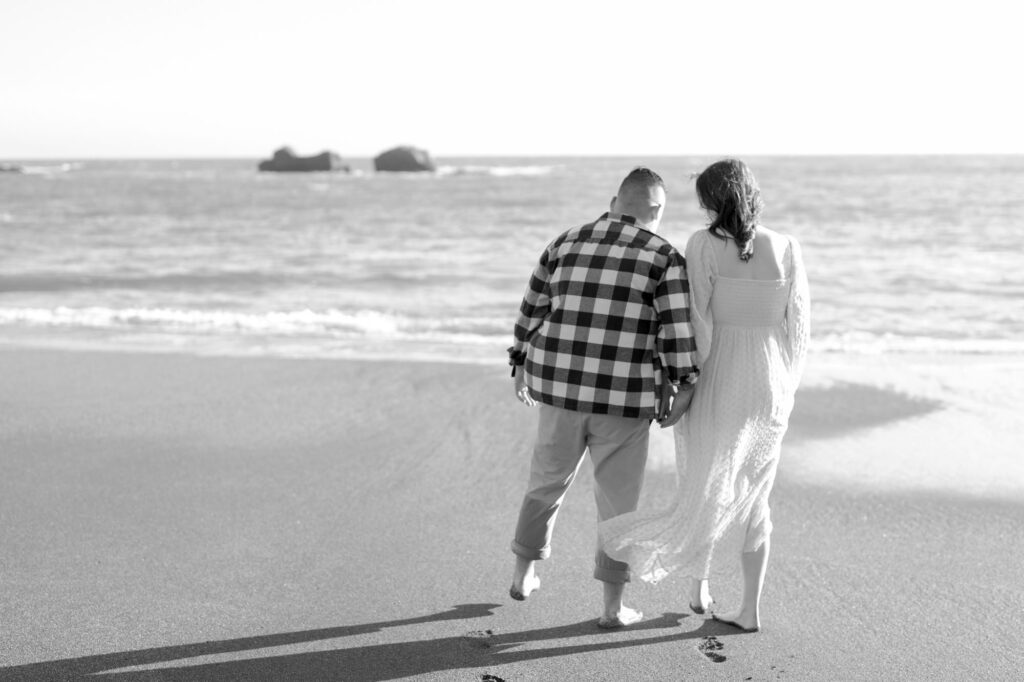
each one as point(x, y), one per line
point(167, 517)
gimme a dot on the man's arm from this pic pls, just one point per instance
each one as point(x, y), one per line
point(675, 344)
point(534, 309)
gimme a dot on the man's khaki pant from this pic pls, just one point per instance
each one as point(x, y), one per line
point(618, 449)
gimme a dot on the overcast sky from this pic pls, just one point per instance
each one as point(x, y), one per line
point(215, 78)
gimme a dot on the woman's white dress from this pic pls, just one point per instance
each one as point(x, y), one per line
point(752, 338)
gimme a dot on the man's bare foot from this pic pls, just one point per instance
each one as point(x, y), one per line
point(523, 590)
point(625, 616)
point(748, 622)
point(524, 579)
point(700, 596)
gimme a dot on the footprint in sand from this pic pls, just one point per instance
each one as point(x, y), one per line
point(710, 646)
point(487, 677)
point(479, 639)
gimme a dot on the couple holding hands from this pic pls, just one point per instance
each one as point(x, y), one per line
point(618, 329)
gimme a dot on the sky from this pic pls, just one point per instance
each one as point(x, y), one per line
point(226, 78)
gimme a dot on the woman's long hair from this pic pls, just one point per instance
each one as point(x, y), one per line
point(729, 189)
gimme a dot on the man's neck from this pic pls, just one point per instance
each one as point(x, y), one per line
point(630, 219)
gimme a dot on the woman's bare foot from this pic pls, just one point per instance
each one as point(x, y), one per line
point(700, 596)
point(744, 620)
point(524, 579)
point(625, 616)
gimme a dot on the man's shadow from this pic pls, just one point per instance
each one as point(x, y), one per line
point(371, 663)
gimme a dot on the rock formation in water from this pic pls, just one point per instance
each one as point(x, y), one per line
point(11, 168)
point(285, 160)
point(404, 159)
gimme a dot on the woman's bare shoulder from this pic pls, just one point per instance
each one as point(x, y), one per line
point(774, 235)
point(772, 239)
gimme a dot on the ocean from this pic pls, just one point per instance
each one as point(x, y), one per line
point(904, 254)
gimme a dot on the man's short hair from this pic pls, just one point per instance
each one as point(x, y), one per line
point(641, 178)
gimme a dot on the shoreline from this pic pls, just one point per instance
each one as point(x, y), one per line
point(827, 354)
point(869, 411)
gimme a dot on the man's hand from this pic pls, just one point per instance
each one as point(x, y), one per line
point(522, 392)
point(680, 403)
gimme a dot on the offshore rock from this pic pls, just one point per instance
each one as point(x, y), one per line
point(11, 168)
point(285, 160)
point(404, 159)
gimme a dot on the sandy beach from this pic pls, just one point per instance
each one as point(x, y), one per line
point(169, 517)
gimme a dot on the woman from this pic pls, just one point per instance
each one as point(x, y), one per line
point(749, 307)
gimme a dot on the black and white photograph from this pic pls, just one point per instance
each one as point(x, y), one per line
point(458, 341)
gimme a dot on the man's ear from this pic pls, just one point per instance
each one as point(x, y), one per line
point(611, 204)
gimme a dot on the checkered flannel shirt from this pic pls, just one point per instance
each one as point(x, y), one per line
point(605, 317)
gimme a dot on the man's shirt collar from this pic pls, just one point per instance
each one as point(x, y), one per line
point(620, 218)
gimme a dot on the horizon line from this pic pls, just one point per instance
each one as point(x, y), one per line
point(203, 157)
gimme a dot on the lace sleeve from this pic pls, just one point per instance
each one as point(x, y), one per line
point(798, 313)
point(701, 270)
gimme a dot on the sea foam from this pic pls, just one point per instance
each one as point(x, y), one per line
point(375, 326)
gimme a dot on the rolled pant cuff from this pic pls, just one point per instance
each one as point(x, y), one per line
point(611, 575)
point(530, 553)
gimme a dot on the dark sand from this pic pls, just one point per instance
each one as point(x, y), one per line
point(174, 518)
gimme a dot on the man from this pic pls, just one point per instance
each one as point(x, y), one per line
point(603, 342)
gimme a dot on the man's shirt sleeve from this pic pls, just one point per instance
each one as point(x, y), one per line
point(676, 347)
point(535, 308)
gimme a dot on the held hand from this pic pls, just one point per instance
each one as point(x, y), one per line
point(680, 404)
point(522, 392)
point(667, 391)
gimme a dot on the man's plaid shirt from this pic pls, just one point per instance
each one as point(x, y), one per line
point(605, 316)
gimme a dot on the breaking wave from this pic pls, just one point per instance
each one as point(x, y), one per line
point(337, 324)
point(497, 171)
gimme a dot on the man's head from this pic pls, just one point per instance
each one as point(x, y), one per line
point(641, 195)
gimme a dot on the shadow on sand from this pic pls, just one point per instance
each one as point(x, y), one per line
point(370, 663)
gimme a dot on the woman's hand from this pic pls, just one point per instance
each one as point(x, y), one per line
point(666, 391)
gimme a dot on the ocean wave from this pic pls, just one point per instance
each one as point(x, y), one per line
point(893, 344)
point(50, 169)
point(368, 272)
point(47, 282)
point(497, 171)
point(366, 324)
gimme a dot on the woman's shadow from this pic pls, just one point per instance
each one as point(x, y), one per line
point(371, 663)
